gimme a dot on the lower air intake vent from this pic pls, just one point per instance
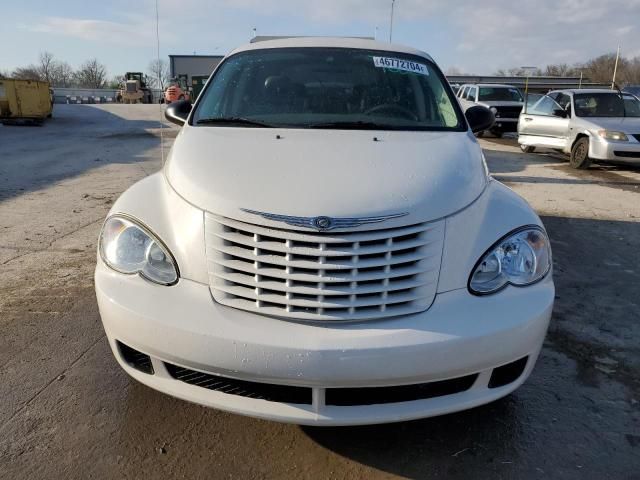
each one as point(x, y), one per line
point(508, 373)
point(242, 388)
point(404, 393)
point(135, 359)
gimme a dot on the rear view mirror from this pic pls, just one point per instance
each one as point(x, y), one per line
point(479, 118)
point(178, 112)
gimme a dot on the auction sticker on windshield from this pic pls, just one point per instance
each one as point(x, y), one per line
point(399, 64)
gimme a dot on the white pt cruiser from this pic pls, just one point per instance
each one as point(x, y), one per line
point(324, 245)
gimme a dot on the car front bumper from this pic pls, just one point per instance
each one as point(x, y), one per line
point(601, 149)
point(459, 336)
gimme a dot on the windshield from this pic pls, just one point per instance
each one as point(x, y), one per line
point(606, 105)
point(499, 94)
point(329, 88)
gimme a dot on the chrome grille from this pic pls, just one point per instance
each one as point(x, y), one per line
point(333, 276)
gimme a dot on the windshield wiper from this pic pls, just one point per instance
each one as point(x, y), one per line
point(353, 125)
point(233, 121)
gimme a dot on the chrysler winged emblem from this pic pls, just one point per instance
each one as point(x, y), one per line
point(323, 223)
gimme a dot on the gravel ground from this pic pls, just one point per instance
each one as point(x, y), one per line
point(68, 410)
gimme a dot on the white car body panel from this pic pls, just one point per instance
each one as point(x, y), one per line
point(430, 176)
point(403, 171)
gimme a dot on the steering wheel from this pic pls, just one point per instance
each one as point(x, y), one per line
point(392, 107)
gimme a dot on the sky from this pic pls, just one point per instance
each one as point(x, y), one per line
point(470, 36)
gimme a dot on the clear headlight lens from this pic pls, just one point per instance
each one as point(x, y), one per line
point(521, 258)
point(130, 248)
point(612, 135)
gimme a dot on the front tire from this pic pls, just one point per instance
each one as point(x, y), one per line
point(580, 154)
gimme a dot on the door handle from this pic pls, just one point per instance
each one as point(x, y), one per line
point(528, 119)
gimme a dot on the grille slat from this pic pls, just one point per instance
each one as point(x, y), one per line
point(328, 289)
point(308, 275)
point(310, 236)
point(326, 264)
point(335, 276)
point(240, 239)
point(326, 302)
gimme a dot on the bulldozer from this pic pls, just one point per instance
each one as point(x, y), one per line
point(134, 89)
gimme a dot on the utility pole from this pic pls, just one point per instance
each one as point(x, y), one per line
point(615, 69)
point(393, 3)
point(527, 71)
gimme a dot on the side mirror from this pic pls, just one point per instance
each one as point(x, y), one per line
point(177, 112)
point(480, 118)
point(559, 112)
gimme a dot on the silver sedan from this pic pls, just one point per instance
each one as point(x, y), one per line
point(587, 124)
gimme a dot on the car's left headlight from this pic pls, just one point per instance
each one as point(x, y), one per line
point(129, 247)
point(520, 258)
point(612, 135)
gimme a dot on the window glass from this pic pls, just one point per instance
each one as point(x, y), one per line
point(632, 106)
point(471, 94)
point(563, 100)
point(499, 94)
point(604, 104)
point(545, 106)
point(323, 87)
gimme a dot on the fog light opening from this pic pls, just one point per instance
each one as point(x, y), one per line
point(135, 359)
point(508, 373)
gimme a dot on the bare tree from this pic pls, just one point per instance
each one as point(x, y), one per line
point(92, 74)
point(115, 83)
point(158, 74)
point(561, 70)
point(4, 74)
point(46, 66)
point(63, 75)
point(30, 72)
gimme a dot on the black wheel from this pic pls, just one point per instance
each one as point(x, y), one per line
point(479, 134)
point(527, 148)
point(497, 133)
point(580, 154)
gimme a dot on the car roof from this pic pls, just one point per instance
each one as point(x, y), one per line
point(494, 85)
point(585, 90)
point(331, 42)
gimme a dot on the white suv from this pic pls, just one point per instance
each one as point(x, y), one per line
point(505, 101)
point(324, 245)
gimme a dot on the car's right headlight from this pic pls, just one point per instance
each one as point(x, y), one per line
point(520, 258)
point(613, 135)
point(130, 248)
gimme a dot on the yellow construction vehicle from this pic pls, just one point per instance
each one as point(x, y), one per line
point(24, 101)
point(134, 89)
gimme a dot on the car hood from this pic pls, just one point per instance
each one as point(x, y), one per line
point(498, 103)
point(336, 173)
point(619, 124)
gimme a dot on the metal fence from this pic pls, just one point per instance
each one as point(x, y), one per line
point(92, 95)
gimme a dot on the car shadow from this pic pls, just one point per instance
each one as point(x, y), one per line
point(78, 138)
